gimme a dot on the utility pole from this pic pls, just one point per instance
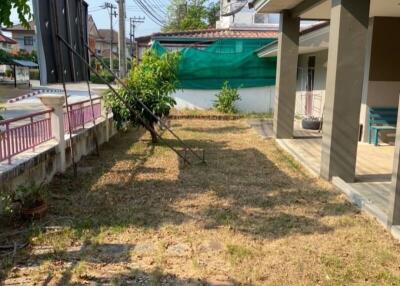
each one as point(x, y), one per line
point(181, 8)
point(122, 38)
point(133, 21)
point(113, 13)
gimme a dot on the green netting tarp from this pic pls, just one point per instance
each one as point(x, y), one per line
point(232, 60)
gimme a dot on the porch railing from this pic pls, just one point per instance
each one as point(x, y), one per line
point(81, 113)
point(23, 133)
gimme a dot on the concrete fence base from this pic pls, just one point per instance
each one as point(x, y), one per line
point(44, 163)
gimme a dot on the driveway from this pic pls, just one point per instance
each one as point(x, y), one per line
point(76, 92)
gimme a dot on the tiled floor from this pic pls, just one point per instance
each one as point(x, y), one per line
point(373, 169)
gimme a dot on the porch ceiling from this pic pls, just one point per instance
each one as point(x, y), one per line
point(310, 42)
point(272, 6)
point(379, 8)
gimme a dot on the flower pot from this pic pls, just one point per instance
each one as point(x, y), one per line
point(311, 123)
point(37, 212)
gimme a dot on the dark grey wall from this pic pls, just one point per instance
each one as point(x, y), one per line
point(385, 50)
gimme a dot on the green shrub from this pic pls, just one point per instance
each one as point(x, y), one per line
point(226, 99)
point(152, 82)
point(9, 73)
point(30, 195)
point(104, 74)
point(34, 74)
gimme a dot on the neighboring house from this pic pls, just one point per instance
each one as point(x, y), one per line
point(25, 37)
point(246, 18)
point(174, 41)
point(103, 44)
point(6, 44)
point(93, 33)
point(200, 92)
point(359, 72)
point(99, 39)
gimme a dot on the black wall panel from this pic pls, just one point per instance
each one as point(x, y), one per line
point(69, 18)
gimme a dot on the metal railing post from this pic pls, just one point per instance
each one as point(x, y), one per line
point(8, 142)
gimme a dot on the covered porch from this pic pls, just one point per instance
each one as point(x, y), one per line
point(371, 188)
point(362, 73)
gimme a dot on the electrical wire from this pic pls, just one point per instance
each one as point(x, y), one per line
point(149, 13)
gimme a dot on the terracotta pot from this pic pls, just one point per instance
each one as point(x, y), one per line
point(37, 212)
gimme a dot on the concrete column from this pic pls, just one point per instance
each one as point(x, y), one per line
point(286, 75)
point(394, 199)
point(56, 102)
point(344, 84)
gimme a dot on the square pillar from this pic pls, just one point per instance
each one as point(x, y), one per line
point(56, 102)
point(344, 85)
point(394, 199)
point(286, 76)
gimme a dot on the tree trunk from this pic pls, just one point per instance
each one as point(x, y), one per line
point(153, 133)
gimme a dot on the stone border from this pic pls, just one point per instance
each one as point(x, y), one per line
point(34, 93)
point(361, 202)
point(207, 117)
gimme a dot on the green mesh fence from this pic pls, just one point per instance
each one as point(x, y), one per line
point(232, 60)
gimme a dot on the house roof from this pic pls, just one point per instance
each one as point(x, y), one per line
point(105, 35)
point(23, 63)
point(7, 40)
point(20, 28)
point(217, 34)
point(92, 27)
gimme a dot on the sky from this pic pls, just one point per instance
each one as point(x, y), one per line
point(102, 18)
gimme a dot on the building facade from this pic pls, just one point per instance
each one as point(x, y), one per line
point(25, 37)
point(360, 65)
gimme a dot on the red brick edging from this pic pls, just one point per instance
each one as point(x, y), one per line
point(207, 117)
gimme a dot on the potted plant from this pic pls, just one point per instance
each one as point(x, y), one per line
point(311, 123)
point(33, 200)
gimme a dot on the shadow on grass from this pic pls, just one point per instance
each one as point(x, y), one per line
point(221, 130)
point(121, 191)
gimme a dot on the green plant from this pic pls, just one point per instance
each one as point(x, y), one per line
point(226, 99)
point(2, 108)
point(21, 7)
point(30, 195)
point(5, 203)
point(9, 73)
point(152, 81)
point(105, 75)
point(34, 74)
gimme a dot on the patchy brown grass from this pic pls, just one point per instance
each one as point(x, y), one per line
point(251, 216)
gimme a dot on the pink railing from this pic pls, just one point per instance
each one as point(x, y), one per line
point(81, 113)
point(23, 133)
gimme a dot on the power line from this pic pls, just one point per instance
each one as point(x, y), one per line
point(158, 6)
point(149, 13)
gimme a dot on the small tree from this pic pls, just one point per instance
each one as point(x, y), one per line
point(22, 8)
point(226, 99)
point(152, 82)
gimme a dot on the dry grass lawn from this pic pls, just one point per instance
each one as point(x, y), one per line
point(137, 216)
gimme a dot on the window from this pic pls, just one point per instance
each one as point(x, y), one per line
point(260, 18)
point(266, 18)
point(28, 41)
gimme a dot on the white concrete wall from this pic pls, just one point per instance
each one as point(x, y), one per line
point(257, 99)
